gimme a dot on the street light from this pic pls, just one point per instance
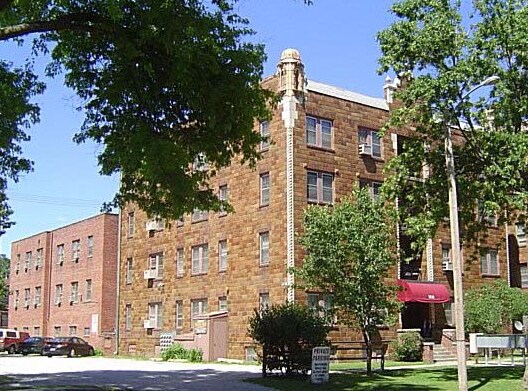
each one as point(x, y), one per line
point(455, 244)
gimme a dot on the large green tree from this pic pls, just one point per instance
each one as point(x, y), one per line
point(4, 275)
point(349, 251)
point(440, 53)
point(163, 84)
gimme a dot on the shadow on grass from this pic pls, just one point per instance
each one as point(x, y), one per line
point(438, 378)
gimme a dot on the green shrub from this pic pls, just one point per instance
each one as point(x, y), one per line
point(177, 351)
point(287, 333)
point(98, 352)
point(408, 347)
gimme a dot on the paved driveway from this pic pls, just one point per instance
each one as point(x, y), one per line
point(124, 374)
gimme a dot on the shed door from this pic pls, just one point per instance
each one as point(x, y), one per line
point(219, 338)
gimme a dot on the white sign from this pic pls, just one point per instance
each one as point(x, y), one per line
point(320, 364)
point(95, 323)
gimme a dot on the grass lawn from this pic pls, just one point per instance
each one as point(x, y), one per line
point(438, 378)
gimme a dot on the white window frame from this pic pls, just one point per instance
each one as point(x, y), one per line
point(72, 331)
point(180, 262)
point(60, 253)
point(265, 188)
point(264, 300)
point(128, 317)
point(27, 263)
point(89, 246)
point(449, 313)
point(264, 248)
point(264, 133)
point(223, 195)
point(200, 259)
point(155, 314)
point(38, 260)
point(179, 314)
point(57, 331)
point(74, 291)
point(374, 188)
point(76, 249)
point(58, 293)
point(523, 271)
point(37, 300)
point(198, 307)
point(199, 215)
point(131, 225)
point(156, 263)
point(319, 132)
point(520, 234)
point(321, 189)
point(129, 267)
point(89, 290)
point(222, 303)
point(27, 297)
point(222, 255)
point(373, 140)
point(488, 259)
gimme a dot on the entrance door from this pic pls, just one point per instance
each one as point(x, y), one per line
point(219, 338)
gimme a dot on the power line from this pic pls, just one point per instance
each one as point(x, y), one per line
point(53, 200)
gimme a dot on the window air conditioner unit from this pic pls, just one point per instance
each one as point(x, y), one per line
point(365, 150)
point(26, 304)
point(150, 274)
point(75, 258)
point(447, 266)
point(148, 324)
point(151, 225)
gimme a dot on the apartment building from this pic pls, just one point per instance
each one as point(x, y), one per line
point(64, 281)
point(176, 276)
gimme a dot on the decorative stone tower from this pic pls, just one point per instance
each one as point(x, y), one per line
point(292, 82)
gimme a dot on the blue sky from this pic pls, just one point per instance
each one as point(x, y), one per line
point(336, 40)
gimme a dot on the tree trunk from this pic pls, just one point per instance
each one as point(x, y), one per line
point(368, 344)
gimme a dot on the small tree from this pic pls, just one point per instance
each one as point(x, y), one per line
point(287, 334)
point(350, 249)
point(492, 307)
point(4, 274)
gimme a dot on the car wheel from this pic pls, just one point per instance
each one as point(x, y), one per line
point(49, 355)
point(12, 349)
point(72, 353)
point(42, 352)
point(91, 352)
point(24, 353)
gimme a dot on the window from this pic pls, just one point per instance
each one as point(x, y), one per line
point(131, 225)
point(88, 294)
point(90, 246)
point(17, 267)
point(86, 332)
point(17, 298)
point(37, 301)
point(200, 259)
point(128, 271)
point(36, 331)
point(38, 260)
point(223, 195)
point(76, 250)
point(222, 255)
point(264, 133)
point(200, 163)
point(58, 294)
point(489, 264)
point(156, 315)
point(485, 216)
point(73, 331)
point(370, 142)
point(180, 262)
point(447, 264)
point(74, 295)
point(374, 188)
point(222, 303)
point(264, 248)
point(524, 276)
point(179, 314)
point(180, 222)
point(520, 233)
point(27, 263)
point(199, 215)
point(57, 331)
point(60, 254)
point(198, 307)
point(264, 189)
point(251, 354)
point(155, 224)
point(448, 311)
point(264, 300)
point(128, 317)
point(319, 132)
point(320, 303)
point(320, 187)
point(156, 264)
point(27, 297)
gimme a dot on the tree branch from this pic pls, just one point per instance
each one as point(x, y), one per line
point(75, 22)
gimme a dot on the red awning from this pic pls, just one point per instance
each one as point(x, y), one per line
point(423, 292)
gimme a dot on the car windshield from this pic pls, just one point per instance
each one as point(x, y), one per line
point(60, 339)
point(32, 339)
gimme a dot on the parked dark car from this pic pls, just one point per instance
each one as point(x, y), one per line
point(67, 346)
point(33, 345)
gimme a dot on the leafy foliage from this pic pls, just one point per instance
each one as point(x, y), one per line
point(163, 84)
point(440, 56)
point(177, 351)
point(408, 347)
point(4, 274)
point(491, 308)
point(349, 250)
point(287, 334)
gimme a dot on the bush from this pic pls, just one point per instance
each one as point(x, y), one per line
point(177, 351)
point(408, 347)
point(287, 333)
point(98, 352)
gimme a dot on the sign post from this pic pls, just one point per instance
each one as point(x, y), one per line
point(320, 364)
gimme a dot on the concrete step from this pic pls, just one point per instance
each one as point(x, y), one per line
point(442, 354)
